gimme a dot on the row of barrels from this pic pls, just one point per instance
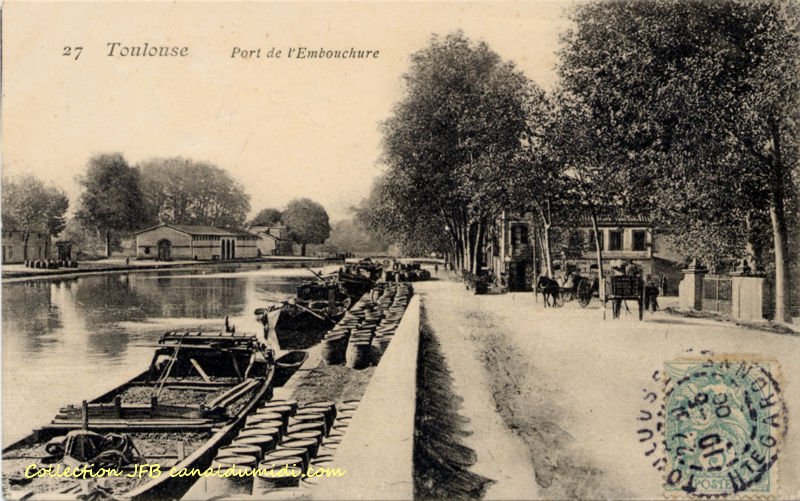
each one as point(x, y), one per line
point(278, 443)
point(50, 264)
point(364, 333)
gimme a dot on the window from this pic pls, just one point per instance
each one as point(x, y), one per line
point(639, 240)
point(614, 240)
point(591, 239)
point(519, 234)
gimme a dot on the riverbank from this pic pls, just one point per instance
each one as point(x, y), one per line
point(18, 272)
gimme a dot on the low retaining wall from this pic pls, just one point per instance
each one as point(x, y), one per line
point(377, 451)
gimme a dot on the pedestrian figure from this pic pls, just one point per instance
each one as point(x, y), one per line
point(651, 295)
point(127, 261)
point(436, 269)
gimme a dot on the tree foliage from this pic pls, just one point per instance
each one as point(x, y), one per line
point(350, 235)
point(182, 191)
point(112, 198)
point(451, 141)
point(267, 217)
point(694, 107)
point(31, 207)
point(307, 222)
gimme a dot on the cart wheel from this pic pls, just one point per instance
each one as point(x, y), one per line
point(584, 293)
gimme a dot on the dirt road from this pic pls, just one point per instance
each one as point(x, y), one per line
point(556, 395)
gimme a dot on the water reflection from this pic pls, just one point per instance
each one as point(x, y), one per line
point(67, 340)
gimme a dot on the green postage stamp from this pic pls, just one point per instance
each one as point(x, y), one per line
point(723, 424)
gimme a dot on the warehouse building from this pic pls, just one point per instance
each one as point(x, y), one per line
point(167, 242)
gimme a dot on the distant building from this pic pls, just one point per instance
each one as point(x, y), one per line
point(624, 238)
point(510, 252)
point(273, 240)
point(15, 250)
point(166, 242)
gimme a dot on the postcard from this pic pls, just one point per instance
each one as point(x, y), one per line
point(400, 250)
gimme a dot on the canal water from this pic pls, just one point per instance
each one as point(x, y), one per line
point(66, 340)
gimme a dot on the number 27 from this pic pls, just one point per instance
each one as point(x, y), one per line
point(68, 51)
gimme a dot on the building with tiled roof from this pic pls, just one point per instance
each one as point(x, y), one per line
point(167, 242)
point(514, 248)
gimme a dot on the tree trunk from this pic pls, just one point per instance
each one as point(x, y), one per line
point(108, 244)
point(545, 270)
point(750, 250)
point(302, 249)
point(25, 246)
point(780, 235)
point(477, 249)
point(467, 263)
point(783, 311)
point(548, 258)
point(535, 262)
point(599, 250)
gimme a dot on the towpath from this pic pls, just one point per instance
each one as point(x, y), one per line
point(554, 396)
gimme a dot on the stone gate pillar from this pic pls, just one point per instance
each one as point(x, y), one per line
point(690, 290)
point(748, 297)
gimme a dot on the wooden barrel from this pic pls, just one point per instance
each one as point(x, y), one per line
point(328, 414)
point(225, 460)
point(311, 418)
point(309, 444)
point(307, 418)
point(265, 442)
point(328, 448)
point(340, 427)
point(335, 434)
point(263, 416)
point(280, 424)
point(333, 349)
point(291, 403)
point(260, 429)
point(285, 452)
point(323, 463)
point(283, 410)
point(308, 426)
point(241, 449)
point(327, 407)
point(313, 435)
point(277, 473)
point(359, 354)
point(241, 482)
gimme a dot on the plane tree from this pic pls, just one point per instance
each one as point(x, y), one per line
point(267, 217)
point(111, 199)
point(307, 222)
point(450, 142)
point(695, 105)
point(30, 206)
point(183, 191)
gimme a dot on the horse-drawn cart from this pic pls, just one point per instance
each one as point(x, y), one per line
point(624, 288)
point(579, 287)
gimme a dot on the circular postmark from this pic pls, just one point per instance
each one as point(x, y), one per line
point(723, 421)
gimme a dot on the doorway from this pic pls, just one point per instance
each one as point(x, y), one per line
point(164, 249)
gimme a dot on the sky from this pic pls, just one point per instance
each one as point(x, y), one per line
point(282, 127)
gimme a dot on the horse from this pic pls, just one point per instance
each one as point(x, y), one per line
point(548, 287)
